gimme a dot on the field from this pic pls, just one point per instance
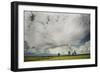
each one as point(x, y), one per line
point(48, 58)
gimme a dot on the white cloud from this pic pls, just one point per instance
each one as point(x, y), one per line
point(63, 50)
point(50, 29)
point(85, 49)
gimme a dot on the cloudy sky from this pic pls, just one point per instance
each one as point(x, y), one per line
point(44, 30)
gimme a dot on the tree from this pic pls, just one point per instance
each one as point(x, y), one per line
point(69, 53)
point(74, 53)
point(58, 54)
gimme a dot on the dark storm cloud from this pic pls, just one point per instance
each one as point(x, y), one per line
point(86, 38)
point(46, 29)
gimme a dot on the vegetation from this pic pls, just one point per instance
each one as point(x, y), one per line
point(66, 57)
point(58, 54)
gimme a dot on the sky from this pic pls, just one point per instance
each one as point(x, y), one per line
point(51, 31)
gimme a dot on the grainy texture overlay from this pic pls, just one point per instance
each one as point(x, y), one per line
point(56, 36)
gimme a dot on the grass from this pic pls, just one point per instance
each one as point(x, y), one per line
point(48, 58)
